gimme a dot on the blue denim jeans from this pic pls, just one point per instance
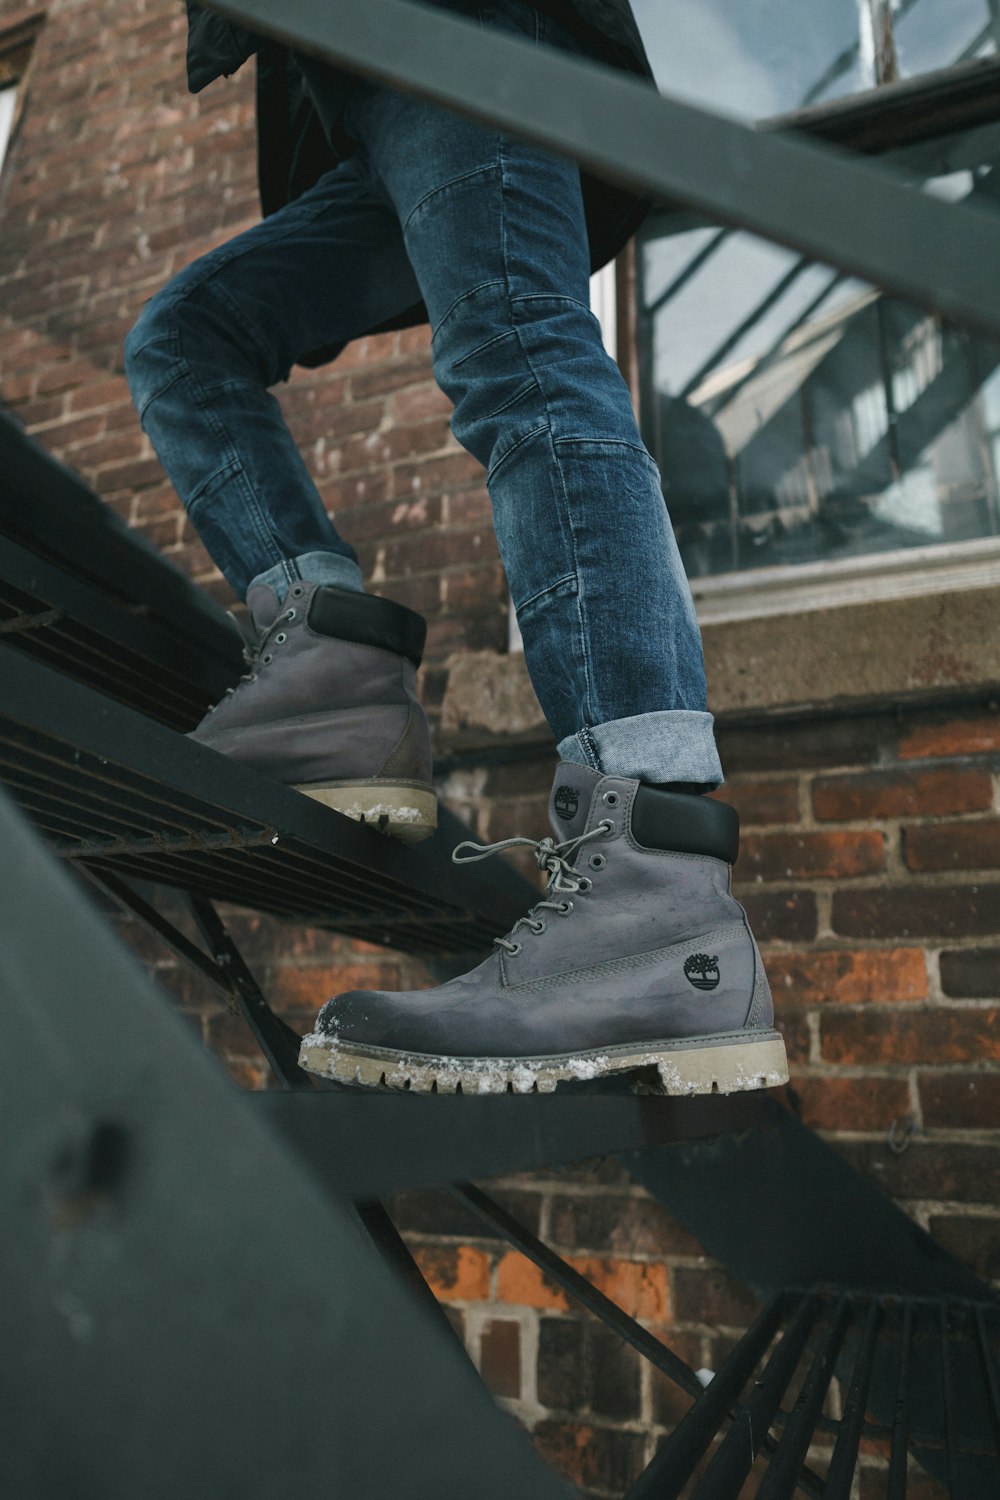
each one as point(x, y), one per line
point(490, 233)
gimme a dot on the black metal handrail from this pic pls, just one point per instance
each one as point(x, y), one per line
point(856, 215)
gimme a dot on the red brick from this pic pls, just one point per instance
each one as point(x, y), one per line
point(500, 1357)
point(799, 856)
point(871, 1104)
point(437, 475)
point(390, 376)
point(976, 735)
point(310, 987)
point(626, 1226)
point(950, 911)
point(99, 393)
point(910, 1036)
point(599, 1458)
point(971, 973)
point(848, 978)
point(778, 916)
point(712, 1296)
point(794, 1028)
point(943, 1171)
point(953, 846)
point(417, 403)
point(819, 743)
point(762, 801)
point(960, 1101)
point(976, 1241)
point(455, 1273)
point(900, 794)
point(520, 1281)
point(638, 1287)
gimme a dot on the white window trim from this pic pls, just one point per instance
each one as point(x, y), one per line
point(793, 588)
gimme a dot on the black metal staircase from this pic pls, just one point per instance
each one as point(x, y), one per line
point(189, 1297)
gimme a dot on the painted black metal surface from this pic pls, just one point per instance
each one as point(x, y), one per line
point(775, 1395)
point(82, 592)
point(854, 214)
point(185, 1310)
point(356, 1146)
point(130, 796)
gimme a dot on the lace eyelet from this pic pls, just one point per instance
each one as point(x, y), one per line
point(597, 861)
point(265, 659)
point(280, 638)
point(539, 926)
point(585, 885)
point(290, 614)
point(565, 907)
point(611, 799)
point(515, 948)
point(298, 591)
point(607, 825)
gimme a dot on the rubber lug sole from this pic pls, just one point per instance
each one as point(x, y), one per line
point(700, 1065)
point(405, 809)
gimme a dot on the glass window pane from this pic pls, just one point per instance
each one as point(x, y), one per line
point(796, 414)
point(755, 58)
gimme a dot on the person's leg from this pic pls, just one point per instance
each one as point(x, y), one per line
point(495, 231)
point(206, 348)
point(329, 703)
point(639, 957)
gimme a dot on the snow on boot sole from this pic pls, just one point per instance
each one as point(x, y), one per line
point(405, 809)
point(729, 1063)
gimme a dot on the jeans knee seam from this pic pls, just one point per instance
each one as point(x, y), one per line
point(588, 676)
point(472, 292)
point(255, 513)
point(442, 187)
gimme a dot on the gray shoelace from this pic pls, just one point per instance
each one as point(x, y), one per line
point(253, 656)
point(563, 878)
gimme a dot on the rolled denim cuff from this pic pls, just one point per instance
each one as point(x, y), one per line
point(675, 745)
point(313, 567)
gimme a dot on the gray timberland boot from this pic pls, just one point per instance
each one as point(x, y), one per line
point(638, 957)
point(329, 705)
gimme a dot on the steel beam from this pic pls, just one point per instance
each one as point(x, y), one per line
point(858, 216)
point(186, 1311)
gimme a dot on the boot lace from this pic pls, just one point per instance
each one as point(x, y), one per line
point(256, 656)
point(550, 856)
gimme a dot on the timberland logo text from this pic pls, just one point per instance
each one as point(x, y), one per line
point(702, 971)
point(567, 800)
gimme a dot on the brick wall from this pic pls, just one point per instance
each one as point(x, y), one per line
point(871, 851)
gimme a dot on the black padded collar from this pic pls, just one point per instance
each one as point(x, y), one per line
point(685, 823)
point(368, 621)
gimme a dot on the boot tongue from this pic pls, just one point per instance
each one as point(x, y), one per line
point(264, 607)
point(569, 803)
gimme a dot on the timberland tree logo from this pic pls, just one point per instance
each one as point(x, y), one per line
point(702, 971)
point(567, 801)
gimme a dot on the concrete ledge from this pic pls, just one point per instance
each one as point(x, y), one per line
point(848, 657)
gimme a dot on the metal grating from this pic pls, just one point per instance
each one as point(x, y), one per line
point(79, 591)
point(825, 1374)
point(127, 796)
point(102, 644)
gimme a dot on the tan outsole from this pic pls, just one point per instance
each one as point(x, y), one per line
point(406, 810)
point(723, 1068)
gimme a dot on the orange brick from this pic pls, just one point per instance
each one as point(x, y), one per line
point(818, 856)
point(973, 736)
point(930, 1037)
point(847, 978)
point(302, 988)
point(519, 1280)
point(851, 1103)
point(640, 1289)
point(455, 1273)
point(902, 794)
